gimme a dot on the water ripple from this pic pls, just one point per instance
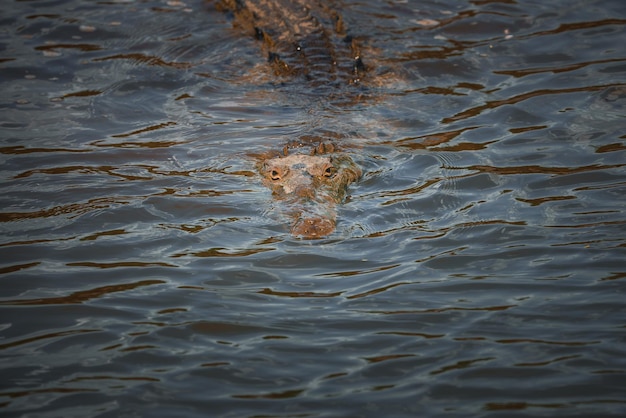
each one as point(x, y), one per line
point(476, 268)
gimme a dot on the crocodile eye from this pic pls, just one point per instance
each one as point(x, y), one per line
point(329, 171)
point(277, 173)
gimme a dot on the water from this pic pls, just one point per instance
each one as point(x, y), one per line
point(477, 268)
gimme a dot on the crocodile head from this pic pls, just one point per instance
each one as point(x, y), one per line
point(311, 186)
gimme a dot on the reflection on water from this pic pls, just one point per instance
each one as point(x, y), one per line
point(476, 268)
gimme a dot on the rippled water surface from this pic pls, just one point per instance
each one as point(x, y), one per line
point(477, 268)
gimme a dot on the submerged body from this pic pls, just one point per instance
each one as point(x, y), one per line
point(306, 41)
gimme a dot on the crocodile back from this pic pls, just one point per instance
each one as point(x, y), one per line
point(304, 39)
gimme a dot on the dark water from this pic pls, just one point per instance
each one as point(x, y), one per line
point(478, 268)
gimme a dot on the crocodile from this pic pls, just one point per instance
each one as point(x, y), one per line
point(312, 185)
point(306, 41)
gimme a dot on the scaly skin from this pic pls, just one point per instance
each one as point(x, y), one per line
point(302, 38)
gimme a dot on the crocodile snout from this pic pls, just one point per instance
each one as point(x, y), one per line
point(312, 228)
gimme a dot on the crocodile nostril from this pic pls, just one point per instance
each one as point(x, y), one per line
point(313, 227)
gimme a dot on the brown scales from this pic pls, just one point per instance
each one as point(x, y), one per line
point(301, 38)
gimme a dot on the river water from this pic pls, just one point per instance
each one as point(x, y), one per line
point(477, 269)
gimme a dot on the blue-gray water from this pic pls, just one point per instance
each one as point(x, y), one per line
point(478, 267)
